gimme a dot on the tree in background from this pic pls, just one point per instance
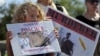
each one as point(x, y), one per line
point(6, 17)
point(74, 7)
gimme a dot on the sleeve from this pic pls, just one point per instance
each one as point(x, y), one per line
point(64, 10)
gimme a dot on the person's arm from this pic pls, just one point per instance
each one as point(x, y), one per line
point(51, 54)
point(8, 44)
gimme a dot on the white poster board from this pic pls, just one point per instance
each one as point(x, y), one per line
point(33, 38)
point(83, 38)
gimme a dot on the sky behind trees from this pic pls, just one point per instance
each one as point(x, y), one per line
point(7, 2)
point(21, 1)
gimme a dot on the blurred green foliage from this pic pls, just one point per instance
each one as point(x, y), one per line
point(74, 7)
point(6, 18)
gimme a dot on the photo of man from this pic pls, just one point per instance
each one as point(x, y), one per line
point(67, 45)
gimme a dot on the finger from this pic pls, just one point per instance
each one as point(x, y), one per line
point(48, 17)
point(56, 33)
point(9, 35)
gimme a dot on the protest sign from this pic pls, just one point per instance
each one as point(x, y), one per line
point(75, 37)
point(33, 38)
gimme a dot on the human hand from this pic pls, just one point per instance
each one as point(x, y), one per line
point(51, 54)
point(8, 44)
point(48, 17)
point(9, 35)
point(56, 32)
